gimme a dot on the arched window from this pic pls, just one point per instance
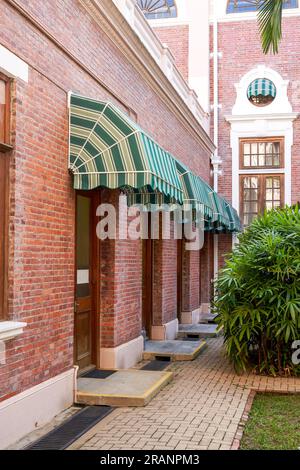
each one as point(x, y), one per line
point(157, 9)
point(241, 6)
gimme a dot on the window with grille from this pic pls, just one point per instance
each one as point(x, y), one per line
point(262, 153)
point(158, 9)
point(260, 193)
point(265, 190)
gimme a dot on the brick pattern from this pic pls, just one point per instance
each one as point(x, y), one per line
point(201, 409)
point(190, 280)
point(164, 281)
point(42, 202)
point(244, 35)
point(120, 274)
point(206, 269)
point(177, 40)
point(233, 38)
point(224, 247)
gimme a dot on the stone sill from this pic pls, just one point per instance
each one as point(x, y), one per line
point(11, 329)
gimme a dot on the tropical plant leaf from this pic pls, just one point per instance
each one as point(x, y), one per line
point(270, 24)
point(258, 302)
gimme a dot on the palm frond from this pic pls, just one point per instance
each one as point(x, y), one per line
point(270, 24)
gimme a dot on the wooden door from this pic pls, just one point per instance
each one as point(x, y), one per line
point(84, 327)
point(147, 306)
point(180, 245)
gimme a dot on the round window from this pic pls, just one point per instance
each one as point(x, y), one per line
point(261, 92)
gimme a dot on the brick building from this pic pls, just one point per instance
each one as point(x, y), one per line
point(78, 79)
point(253, 100)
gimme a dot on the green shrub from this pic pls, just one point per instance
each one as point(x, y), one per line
point(258, 294)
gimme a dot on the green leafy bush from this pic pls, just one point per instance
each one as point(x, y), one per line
point(258, 294)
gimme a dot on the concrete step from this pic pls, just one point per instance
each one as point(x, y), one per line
point(175, 350)
point(207, 318)
point(199, 331)
point(132, 387)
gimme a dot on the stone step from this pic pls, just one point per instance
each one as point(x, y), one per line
point(207, 318)
point(132, 387)
point(199, 331)
point(174, 350)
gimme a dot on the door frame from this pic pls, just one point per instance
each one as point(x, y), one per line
point(147, 286)
point(180, 248)
point(95, 197)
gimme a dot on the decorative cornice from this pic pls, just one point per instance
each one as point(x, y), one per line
point(120, 32)
point(262, 117)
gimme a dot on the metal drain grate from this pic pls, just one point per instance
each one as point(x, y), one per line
point(189, 339)
point(98, 374)
point(68, 432)
point(157, 365)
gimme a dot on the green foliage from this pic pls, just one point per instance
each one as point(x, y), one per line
point(258, 294)
point(269, 21)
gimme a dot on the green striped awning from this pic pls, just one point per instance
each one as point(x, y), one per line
point(235, 222)
point(197, 192)
point(108, 149)
point(261, 87)
point(227, 217)
point(221, 213)
point(218, 214)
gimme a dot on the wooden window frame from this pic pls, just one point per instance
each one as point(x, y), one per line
point(5, 145)
point(252, 140)
point(261, 189)
point(4, 217)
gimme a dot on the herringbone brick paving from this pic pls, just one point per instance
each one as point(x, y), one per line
point(201, 409)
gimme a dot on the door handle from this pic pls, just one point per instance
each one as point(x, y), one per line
point(76, 305)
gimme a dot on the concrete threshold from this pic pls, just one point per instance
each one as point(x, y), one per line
point(132, 387)
point(199, 331)
point(207, 317)
point(175, 350)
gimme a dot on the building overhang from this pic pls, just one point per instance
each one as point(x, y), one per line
point(175, 92)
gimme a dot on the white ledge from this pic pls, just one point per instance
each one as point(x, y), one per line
point(12, 65)
point(11, 329)
point(255, 117)
point(163, 57)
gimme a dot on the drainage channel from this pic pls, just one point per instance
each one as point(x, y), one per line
point(68, 432)
point(159, 363)
point(73, 428)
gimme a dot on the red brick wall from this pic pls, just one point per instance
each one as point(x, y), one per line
point(190, 280)
point(164, 281)
point(206, 268)
point(241, 51)
point(239, 43)
point(224, 247)
point(177, 39)
point(42, 202)
point(120, 286)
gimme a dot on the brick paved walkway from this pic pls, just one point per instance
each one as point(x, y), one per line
point(200, 409)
